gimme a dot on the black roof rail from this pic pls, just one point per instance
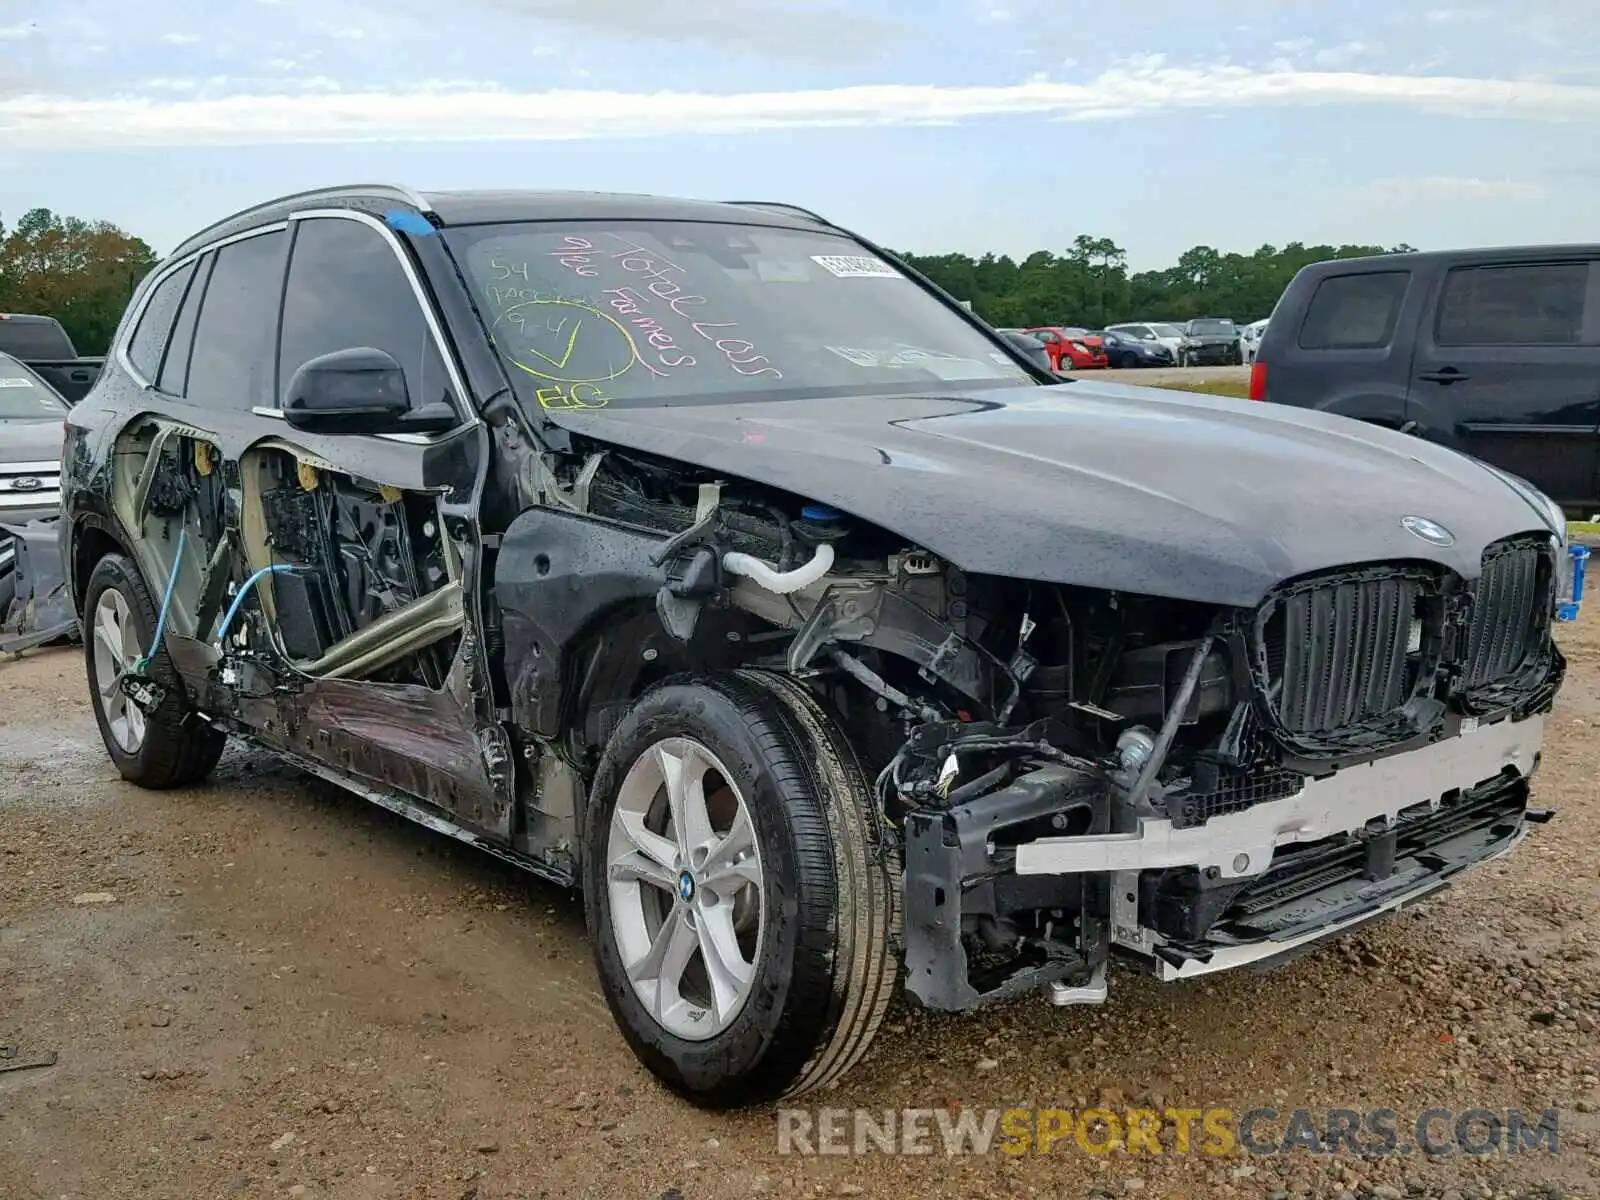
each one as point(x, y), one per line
point(392, 191)
point(779, 207)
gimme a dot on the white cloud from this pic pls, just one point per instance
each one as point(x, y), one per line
point(1451, 187)
point(423, 114)
point(1341, 55)
point(1293, 45)
point(181, 39)
point(760, 26)
point(15, 33)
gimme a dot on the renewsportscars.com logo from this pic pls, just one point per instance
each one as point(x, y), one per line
point(1439, 1132)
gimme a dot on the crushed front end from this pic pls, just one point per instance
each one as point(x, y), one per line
point(1064, 772)
point(1230, 796)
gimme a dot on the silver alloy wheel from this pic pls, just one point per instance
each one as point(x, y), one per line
point(684, 881)
point(116, 649)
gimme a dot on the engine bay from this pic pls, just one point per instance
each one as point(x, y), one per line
point(998, 714)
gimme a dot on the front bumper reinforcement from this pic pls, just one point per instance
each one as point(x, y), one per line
point(950, 862)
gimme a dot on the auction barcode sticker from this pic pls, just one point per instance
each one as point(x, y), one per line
point(855, 266)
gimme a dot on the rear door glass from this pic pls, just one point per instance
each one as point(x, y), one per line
point(1354, 312)
point(233, 365)
point(1527, 304)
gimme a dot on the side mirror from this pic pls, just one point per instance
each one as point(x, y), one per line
point(358, 391)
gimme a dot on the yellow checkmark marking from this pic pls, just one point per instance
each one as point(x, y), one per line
point(572, 340)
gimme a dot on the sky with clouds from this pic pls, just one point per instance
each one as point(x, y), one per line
point(1010, 125)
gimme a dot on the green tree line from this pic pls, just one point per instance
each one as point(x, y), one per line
point(1089, 285)
point(80, 272)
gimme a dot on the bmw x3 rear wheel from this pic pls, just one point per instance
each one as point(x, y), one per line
point(168, 746)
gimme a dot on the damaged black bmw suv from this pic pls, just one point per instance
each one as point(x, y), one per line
point(705, 557)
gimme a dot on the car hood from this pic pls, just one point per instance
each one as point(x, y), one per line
point(1099, 484)
point(30, 441)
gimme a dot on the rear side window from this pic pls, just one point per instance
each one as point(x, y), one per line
point(1530, 304)
point(1354, 312)
point(155, 323)
point(347, 289)
point(232, 364)
point(175, 366)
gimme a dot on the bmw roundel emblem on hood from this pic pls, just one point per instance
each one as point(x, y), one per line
point(1431, 532)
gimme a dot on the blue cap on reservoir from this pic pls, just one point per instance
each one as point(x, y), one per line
point(820, 523)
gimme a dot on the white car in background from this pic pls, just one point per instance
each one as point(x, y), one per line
point(1170, 336)
point(1250, 340)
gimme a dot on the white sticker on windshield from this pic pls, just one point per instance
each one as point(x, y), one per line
point(855, 266)
point(15, 383)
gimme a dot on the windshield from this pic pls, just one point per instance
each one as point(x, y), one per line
point(26, 397)
point(1210, 326)
point(587, 314)
point(1167, 331)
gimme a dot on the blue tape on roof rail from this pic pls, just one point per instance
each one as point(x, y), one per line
point(409, 222)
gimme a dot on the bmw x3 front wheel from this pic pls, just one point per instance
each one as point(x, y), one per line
point(739, 903)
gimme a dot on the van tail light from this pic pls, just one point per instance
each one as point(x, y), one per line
point(1258, 380)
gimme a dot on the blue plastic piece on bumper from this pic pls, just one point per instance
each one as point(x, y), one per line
point(1567, 610)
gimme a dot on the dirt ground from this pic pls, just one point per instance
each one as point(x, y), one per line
point(289, 992)
point(1172, 376)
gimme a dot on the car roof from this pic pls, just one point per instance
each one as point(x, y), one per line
point(444, 209)
point(1416, 258)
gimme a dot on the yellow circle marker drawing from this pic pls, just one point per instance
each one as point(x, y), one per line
point(577, 324)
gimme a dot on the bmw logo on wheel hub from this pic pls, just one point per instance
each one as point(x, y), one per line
point(685, 887)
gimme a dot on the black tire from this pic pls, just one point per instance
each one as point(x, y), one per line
point(825, 970)
point(178, 748)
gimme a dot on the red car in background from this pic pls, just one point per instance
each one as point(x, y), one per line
point(1070, 349)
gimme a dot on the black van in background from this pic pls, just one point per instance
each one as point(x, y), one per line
point(1494, 352)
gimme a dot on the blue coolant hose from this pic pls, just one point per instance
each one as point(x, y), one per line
point(166, 603)
point(233, 609)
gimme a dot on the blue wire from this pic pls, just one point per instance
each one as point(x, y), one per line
point(166, 603)
point(233, 608)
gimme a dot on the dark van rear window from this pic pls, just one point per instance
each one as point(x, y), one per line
point(1354, 312)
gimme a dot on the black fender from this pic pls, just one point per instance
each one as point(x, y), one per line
point(556, 575)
